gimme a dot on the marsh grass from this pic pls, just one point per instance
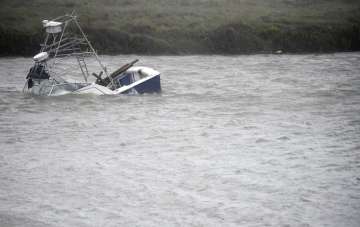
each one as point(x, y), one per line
point(191, 26)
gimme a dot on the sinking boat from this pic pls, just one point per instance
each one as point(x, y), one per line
point(66, 51)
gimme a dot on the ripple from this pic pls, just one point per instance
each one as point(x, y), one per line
point(283, 138)
point(261, 140)
point(237, 144)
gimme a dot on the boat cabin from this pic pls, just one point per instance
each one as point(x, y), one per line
point(128, 78)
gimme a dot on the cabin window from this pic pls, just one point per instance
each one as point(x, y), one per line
point(136, 76)
point(126, 79)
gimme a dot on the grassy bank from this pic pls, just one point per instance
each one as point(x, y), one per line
point(190, 26)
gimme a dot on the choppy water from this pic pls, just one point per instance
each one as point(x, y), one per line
point(232, 141)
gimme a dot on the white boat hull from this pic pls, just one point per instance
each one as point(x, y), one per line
point(149, 83)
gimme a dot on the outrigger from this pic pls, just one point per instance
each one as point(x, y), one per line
point(66, 43)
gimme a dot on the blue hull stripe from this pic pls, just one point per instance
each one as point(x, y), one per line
point(152, 85)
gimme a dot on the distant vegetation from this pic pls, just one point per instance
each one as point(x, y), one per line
point(190, 26)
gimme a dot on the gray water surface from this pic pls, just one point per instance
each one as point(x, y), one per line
point(258, 140)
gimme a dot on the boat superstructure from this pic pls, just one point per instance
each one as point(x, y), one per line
point(66, 51)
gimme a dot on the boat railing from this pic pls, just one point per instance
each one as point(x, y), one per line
point(80, 54)
point(66, 38)
point(66, 42)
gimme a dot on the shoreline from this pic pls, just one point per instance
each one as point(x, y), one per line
point(191, 27)
point(194, 54)
point(233, 39)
